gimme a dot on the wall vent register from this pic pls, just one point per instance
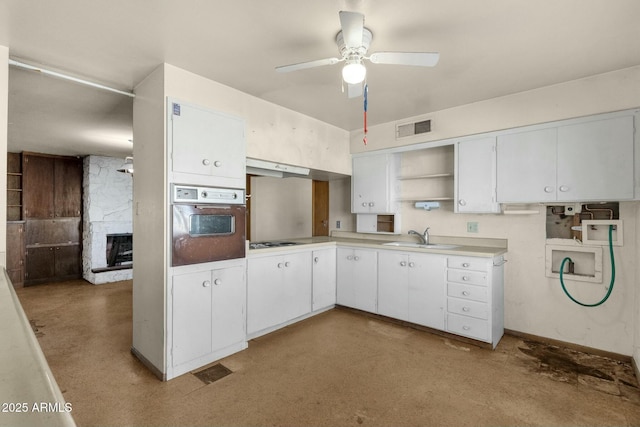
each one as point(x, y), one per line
point(410, 129)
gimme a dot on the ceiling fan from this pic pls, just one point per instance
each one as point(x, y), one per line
point(353, 42)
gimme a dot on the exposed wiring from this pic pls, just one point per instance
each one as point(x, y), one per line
point(613, 275)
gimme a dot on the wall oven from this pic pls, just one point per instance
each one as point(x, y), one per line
point(208, 224)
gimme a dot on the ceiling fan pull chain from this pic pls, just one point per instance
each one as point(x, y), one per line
point(366, 91)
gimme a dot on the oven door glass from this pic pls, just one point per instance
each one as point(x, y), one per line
point(211, 225)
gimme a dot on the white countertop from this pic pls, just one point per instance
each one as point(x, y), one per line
point(477, 247)
point(29, 395)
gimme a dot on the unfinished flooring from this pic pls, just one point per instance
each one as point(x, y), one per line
point(339, 368)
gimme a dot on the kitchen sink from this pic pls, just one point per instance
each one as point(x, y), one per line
point(421, 245)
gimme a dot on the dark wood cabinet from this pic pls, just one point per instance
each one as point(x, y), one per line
point(52, 186)
point(52, 210)
point(15, 253)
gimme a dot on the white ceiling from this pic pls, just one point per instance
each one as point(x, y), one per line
point(488, 48)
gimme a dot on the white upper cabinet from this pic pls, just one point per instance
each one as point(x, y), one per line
point(206, 144)
point(475, 176)
point(373, 184)
point(526, 166)
point(595, 160)
point(584, 161)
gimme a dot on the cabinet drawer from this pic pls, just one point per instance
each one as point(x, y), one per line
point(477, 264)
point(470, 292)
point(468, 326)
point(475, 309)
point(471, 277)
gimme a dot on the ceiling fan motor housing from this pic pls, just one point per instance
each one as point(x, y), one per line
point(360, 52)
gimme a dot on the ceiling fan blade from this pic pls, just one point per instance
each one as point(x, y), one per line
point(423, 59)
point(352, 24)
point(355, 90)
point(309, 64)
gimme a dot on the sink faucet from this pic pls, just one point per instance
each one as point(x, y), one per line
point(424, 236)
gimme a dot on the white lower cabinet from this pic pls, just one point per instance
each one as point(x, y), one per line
point(357, 278)
point(411, 287)
point(279, 289)
point(475, 298)
point(324, 278)
point(208, 313)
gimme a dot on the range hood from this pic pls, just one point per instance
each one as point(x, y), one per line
point(273, 169)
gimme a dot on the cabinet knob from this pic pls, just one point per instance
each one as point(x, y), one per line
point(465, 278)
point(316, 259)
point(217, 282)
point(364, 204)
point(287, 264)
point(217, 163)
point(349, 257)
point(206, 284)
point(371, 204)
point(280, 265)
point(205, 162)
point(412, 264)
point(462, 202)
point(465, 264)
point(403, 263)
point(548, 189)
point(465, 293)
point(356, 258)
point(465, 309)
point(564, 188)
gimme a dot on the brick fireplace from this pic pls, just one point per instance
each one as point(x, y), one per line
point(108, 200)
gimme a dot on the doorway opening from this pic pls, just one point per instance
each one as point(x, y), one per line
point(320, 208)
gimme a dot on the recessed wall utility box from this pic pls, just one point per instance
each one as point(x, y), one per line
point(587, 262)
point(596, 232)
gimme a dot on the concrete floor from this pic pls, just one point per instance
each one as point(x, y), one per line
point(339, 368)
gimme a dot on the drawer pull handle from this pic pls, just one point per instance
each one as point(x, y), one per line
point(465, 293)
point(465, 278)
point(466, 328)
point(465, 309)
point(465, 264)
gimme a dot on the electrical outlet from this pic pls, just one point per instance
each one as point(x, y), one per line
point(337, 224)
point(472, 227)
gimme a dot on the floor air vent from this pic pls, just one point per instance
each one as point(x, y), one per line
point(213, 373)
point(410, 129)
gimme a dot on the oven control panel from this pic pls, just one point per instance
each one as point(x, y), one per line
point(207, 195)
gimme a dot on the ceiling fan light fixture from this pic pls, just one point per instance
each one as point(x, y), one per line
point(354, 73)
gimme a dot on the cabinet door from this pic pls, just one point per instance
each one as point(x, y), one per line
point(191, 317)
point(296, 285)
point(40, 265)
point(357, 279)
point(595, 160)
point(228, 312)
point(476, 176)
point(206, 142)
point(265, 293)
point(15, 252)
point(370, 184)
point(324, 278)
point(68, 262)
point(38, 181)
point(393, 284)
point(67, 197)
point(526, 167)
point(427, 295)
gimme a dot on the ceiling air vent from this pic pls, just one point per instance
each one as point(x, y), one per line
point(410, 129)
